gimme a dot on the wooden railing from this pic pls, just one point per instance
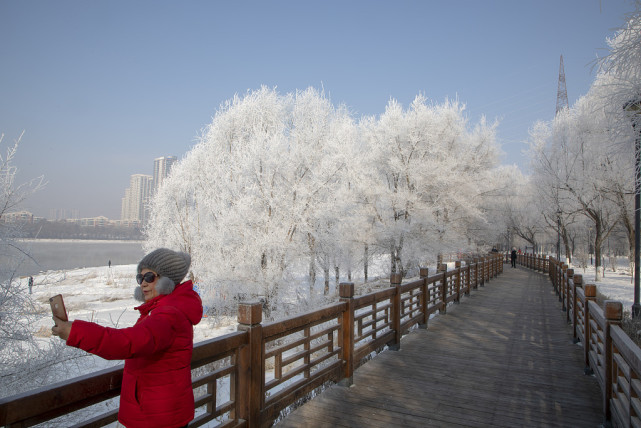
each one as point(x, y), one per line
point(608, 351)
point(262, 369)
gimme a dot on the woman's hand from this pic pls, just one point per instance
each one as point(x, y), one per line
point(61, 328)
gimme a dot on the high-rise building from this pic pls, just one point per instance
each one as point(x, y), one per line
point(134, 204)
point(162, 168)
point(141, 188)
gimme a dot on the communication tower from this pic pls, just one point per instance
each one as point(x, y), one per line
point(562, 92)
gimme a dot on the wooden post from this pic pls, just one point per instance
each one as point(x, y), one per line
point(424, 274)
point(557, 275)
point(346, 292)
point(443, 268)
point(532, 261)
point(250, 315)
point(457, 265)
point(488, 268)
point(563, 287)
point(613, 313)
point(495, 266)
point(590, 295)
point(468, 280)
point(476, 273)
point(577, 280)
point(553, 274)
point(395, 281)
point(492, 261)
point(568, 284)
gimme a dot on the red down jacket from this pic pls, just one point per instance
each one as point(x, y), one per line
point(156, 384)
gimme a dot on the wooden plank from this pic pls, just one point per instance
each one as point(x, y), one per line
point(504, 357)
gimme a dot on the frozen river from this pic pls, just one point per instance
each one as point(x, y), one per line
point(60, 254)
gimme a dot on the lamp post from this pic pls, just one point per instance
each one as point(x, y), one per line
point(633, 108)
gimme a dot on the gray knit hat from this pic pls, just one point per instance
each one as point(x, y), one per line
point(171, 266)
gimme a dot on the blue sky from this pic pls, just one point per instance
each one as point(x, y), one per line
point(101, 88)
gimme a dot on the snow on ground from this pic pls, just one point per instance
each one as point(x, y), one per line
point(617, 285)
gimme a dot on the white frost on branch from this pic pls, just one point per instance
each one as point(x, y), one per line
point(283, 183)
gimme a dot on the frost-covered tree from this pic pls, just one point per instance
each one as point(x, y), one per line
point(622, 64)
point(582, 158)
point(284, 184)
point(253, 198)
point(619, 84)
point(506, 207)
point(574, 160)
point(428, 176)
point(545, 197)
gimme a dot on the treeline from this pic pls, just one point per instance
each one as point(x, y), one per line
point(288, 185)
point(45, 229)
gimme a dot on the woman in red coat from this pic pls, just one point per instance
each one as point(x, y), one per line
point(156, 385)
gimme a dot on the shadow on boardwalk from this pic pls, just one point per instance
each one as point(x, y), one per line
point(503, 357)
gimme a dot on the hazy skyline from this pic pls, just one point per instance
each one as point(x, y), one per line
point(102, 88)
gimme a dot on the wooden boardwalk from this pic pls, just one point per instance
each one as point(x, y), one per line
point(502, 357)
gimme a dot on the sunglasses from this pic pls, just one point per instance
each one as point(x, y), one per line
point(149, 277)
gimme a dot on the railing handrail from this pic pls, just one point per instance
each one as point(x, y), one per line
point(329, 344)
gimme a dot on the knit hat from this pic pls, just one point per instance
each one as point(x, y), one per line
point(171, 266)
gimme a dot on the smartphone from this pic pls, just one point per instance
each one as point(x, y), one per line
point(58, 307)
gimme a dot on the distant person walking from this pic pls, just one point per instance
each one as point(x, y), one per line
point(513, 257)
point(156, 383)
point(30, 284)
point(109, 263)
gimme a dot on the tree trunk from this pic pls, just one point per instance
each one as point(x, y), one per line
point(629, 229)
point(398, 262)
point(366, 261)
point(326, 273)
point(311, 242)
point(566, 244)
point(392, 257)
point(312, 273)
point(598, 241)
